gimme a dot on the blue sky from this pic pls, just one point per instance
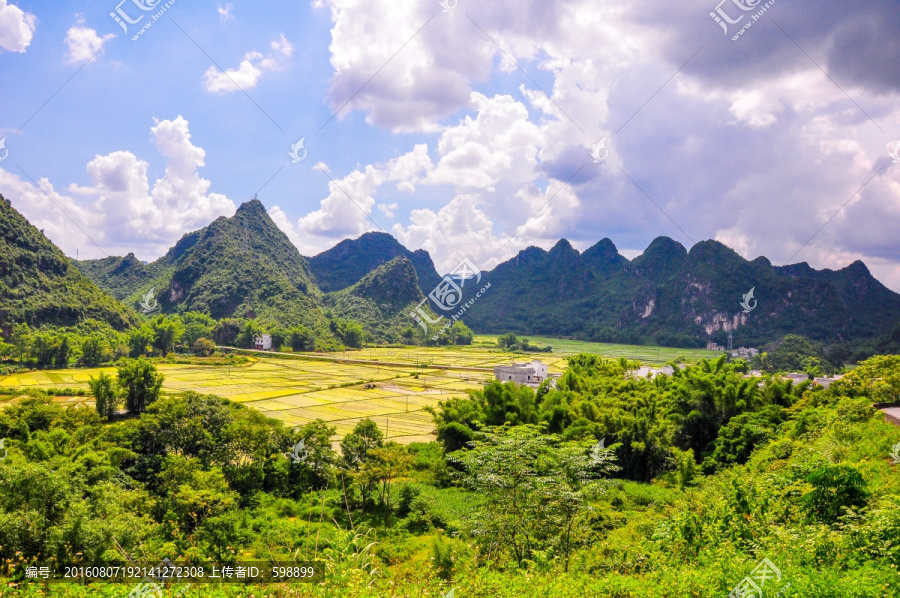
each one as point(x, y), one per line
point(777, 142)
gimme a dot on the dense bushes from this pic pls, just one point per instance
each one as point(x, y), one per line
point(802, 477)
point(649, 420)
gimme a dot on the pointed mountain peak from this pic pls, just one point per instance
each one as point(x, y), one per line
point(393, 284)
point(603, 257)
point(711, 248)
point(563, 246)
point(351, 260)
point(250, 206)
point(662, 259)
point(603, 247)
point(665, 245)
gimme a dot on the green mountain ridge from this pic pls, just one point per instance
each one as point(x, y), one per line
point(245, 266)
point(679, 297)
point(349, 261)
point(382, 299)
point(40, 285)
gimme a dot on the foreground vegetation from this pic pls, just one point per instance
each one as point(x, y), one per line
point(590, 488)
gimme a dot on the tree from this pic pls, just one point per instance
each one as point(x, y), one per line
point(247, 338)
point(356, 445)
point(301, 339)
point(166, 332)
point(93, 350)
point(204, 347)
point(140, 383)
point(351, 333)
point(106, 397)
point(508, 341)
point(535, 490)
point(384, 466)
point(139, 341)
point(460, 334)
point(408, 335)
point(813, 367)
point(196, 326)
point(318, 456)
point(836, 487)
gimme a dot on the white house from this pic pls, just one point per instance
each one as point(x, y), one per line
point(530, 374)
point(264, 342)
point(645, 371)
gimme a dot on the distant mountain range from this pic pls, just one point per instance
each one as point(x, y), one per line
point(680, 298)
point(245, 266)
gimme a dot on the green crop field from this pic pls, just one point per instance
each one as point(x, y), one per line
point(647, 355)
point(297, 389)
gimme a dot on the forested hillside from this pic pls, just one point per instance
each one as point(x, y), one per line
point(383, 299)
point(349, 261)
point(674, 297)
point(39, 285)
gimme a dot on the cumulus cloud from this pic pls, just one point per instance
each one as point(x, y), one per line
point(248, 73)
point(83, 42)
point(458, 230)
point(225, 12)
point(121, 210)
point(388, 209)
point(16, 27)
point(748, 142)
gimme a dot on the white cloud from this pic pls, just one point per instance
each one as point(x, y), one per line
point(254, 65)
point(121, 210)
point(83, 42)
point(389, 210)
point(225, 12)
point(16, 27)
point(456, 231)
point(346, 210)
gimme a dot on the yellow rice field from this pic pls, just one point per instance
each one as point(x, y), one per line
point(297, 390)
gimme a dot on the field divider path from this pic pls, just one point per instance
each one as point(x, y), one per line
point(391, 364)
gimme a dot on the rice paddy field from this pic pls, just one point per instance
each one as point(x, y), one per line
point(402, 381)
